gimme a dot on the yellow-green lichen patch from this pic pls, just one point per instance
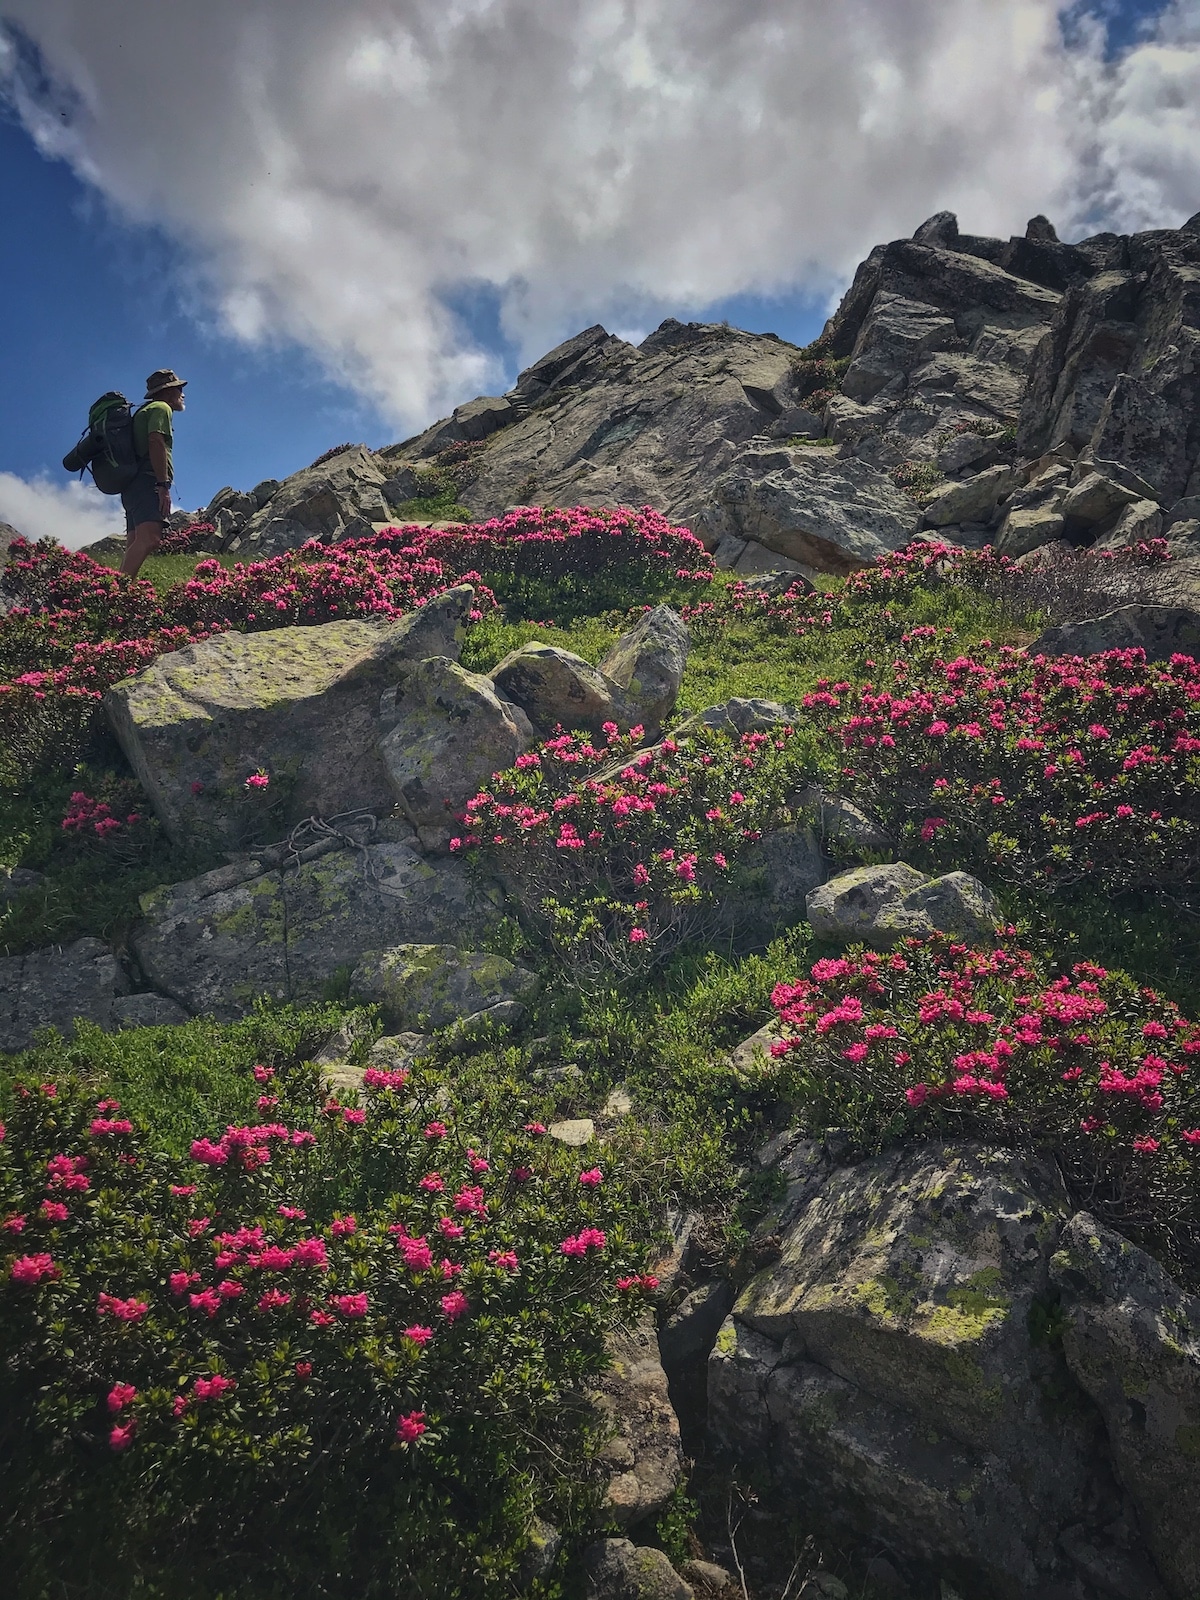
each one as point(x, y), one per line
point(727, 1339)
point(885, 1299)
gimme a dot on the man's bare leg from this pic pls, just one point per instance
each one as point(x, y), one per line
point(144, 539)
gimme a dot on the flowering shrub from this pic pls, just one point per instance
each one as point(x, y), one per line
point(1048, 769)
point(182, 541)
point(397, 1305)
point(940, 1040)
point(618, 855)
point(75, 627)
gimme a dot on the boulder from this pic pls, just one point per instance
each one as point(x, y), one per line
point(882, 905)
point(966, 450)
point(50, 988)
point(884, 1373)
point(317, 503)
point(220, 941)
point(429, 986)
point(616, 1569)
point(708, 1577)
point(756, 561)
point(300, 703)
point(1095, 499)
point(648, 663)
point(1160, 630)
point(452, 732)
point(822, 512)
point(896, 335)
point(574, 1132)
point(1028, 528)
point(1139, 521)
point(840, 822)
point(752, 1058)
point(555, 688)
point(973, 500)
point(736, 717)
point(1132, 1340)
point(643, 1454)
point(771, 888)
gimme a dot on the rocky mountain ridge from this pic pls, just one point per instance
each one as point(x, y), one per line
point(968, 387)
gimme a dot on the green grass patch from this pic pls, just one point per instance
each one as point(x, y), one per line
point(178, 1082)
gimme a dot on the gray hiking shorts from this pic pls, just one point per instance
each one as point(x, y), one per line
point(141, 500)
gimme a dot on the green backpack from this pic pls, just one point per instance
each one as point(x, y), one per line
point(106, 448)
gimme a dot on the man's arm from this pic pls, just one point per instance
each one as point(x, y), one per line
point(158, 460)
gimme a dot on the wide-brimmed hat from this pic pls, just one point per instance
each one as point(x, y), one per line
point(164, 378)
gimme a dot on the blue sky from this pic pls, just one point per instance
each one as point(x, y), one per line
point(91, 300)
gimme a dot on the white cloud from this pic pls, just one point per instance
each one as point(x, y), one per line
point(338, 166)
point(72, 513)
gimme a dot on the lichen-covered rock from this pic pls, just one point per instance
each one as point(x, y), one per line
point(451, 733)
point(616, 1569)
point(883, 1371)
point(738, 716)
point(643, 1455)
point(1159, 630)
point(846, 906)
point(319, 502)
point(554, 687)
point(429, 986)
point(1028, 528)
point(840, 822)
point(826, 513)
point(301, 704)
point(882, 905)
point(1132, 1340)
point(1140, 521)
point(219, 941)
point(971, 501)
point(648, 664)
point(54, 986)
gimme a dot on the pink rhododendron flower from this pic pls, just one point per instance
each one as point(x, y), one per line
point(121, 1436)
point(592, 1178)
point(350, 1305)
point(454, 1304)
point(54, 1211)
point(33, 1269)
point(419, 1335)
point(130, 1310)
point(120, 1396)
point(214, 1387)
point(409, 1428)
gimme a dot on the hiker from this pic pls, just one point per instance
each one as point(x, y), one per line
point(147, 500)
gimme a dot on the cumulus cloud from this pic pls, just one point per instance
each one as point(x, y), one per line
point(341, 169)
point(72, 513)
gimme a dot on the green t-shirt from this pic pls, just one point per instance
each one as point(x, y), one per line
point(154, 417)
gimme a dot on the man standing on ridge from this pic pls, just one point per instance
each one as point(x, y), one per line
point(147, 500)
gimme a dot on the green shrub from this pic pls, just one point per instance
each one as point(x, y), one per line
point(395, 1307)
